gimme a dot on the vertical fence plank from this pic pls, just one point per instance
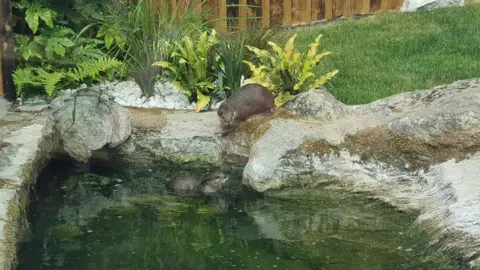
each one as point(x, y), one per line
point(265, 13)
point(384, 5)
point(197, 5)
point(287, 12)
point(308, 11)
point(347, 8)
point(315, 10)
point(242, 14)
point(222, 15)
point(328, 9)
point(365, 7)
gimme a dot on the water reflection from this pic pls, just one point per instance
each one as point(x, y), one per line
point(105, 221)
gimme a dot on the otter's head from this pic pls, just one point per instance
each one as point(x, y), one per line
point(214, 182)
point(226, 112)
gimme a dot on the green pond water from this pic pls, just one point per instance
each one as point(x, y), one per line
point(114, 219)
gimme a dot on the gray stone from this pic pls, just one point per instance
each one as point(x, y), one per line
point(317, 104)
point(418, 5)
point(177, 136)
point(4, 106)
point(98, 122)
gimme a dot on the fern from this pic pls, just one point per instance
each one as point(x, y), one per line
point(93, 67)
point(24, 77)
point(49, 80)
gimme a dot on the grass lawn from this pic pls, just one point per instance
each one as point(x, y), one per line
point(398, 52)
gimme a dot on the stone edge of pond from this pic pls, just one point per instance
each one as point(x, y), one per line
point(29, 149)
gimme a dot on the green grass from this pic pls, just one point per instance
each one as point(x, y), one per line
point(398, 52)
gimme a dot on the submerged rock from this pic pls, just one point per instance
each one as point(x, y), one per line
point(88, 121)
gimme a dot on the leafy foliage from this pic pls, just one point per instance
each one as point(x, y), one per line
point(286, 71)
point(55, 56)
point(192, 67)
point(232, 51)
point(140, 35)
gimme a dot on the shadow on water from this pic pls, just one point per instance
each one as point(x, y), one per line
point(123, 219)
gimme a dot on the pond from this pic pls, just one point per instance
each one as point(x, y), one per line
point(122, 218)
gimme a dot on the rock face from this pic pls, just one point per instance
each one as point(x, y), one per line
point(417, 5)
point(26, 144)
point(417, 150)
point(177, 136)
point(98, 122)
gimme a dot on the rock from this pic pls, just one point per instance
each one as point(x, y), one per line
point(176, 136)
point(418, 150)
point(128, 93)
point(98, 122)
point(317, 104)
point(26, 145)
point(418, 5)
point(4, 107)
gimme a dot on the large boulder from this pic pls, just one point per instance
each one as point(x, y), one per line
point(88, 121)
point(417, 150)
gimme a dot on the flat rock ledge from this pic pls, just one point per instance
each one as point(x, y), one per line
point(26, 143)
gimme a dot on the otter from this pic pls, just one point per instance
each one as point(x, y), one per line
point(251, 99)
point(187, 184)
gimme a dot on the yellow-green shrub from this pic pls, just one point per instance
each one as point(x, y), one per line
point(287, 72)
point(192, 67)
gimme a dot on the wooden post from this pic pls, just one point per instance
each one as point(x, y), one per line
point(265, 13)
point(287, 12)
point(7, 57)
point(242, 14)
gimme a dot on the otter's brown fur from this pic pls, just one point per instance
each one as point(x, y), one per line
point(249, 100)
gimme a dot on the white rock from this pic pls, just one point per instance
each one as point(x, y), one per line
point(417, 5)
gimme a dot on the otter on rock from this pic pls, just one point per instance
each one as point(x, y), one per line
point(249, 100)
point(187, 184)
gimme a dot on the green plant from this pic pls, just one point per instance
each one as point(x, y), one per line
point(140, 36)
point(232, 51)
point(192, 68)
point(286, 71)
point(55, 56)
point(229, 62)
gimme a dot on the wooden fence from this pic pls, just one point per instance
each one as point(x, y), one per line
point(284, 12)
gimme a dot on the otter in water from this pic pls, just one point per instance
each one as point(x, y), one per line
point(188, 184)
point(249, 100)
